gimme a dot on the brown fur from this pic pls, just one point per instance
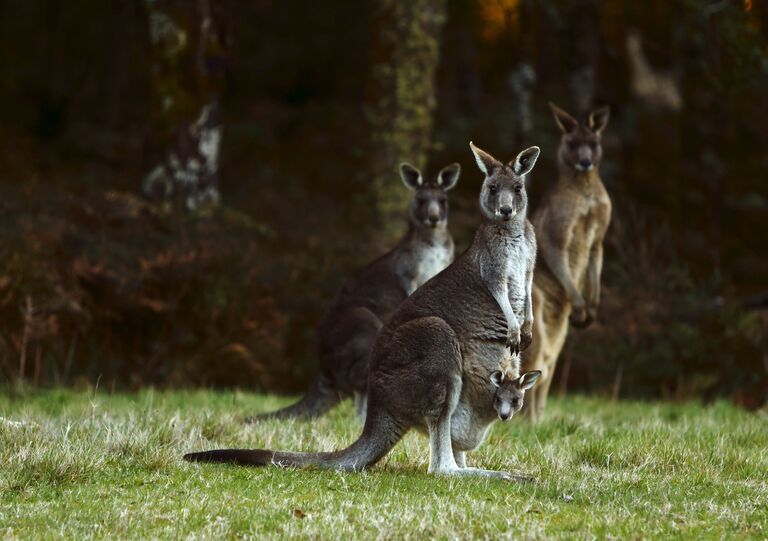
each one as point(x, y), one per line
point(570, 226)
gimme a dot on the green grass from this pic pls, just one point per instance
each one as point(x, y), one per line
point(95, 465)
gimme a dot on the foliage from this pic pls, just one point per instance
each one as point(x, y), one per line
point(111, 287)
point(99, 465)
point(661, 333)
point(298, 100)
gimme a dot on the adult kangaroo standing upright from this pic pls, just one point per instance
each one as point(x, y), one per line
point(431, 365)
point(366, 301)
point(570, 226)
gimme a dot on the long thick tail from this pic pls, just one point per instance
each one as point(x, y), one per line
point(319, 399)
point(379, 436)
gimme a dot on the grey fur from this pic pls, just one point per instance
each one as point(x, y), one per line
point(431, 363)
point(367, 300)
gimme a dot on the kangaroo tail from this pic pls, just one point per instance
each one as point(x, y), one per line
point(319, 399)
point(379, 436)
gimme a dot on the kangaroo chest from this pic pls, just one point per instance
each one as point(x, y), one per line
point(517, 265)
point(510, 262)
point(586, 232)
point(431, 260)
point(420, 260)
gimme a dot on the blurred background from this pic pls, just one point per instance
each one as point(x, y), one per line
point(184, 184)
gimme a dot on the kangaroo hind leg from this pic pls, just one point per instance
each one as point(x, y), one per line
point(441, 459)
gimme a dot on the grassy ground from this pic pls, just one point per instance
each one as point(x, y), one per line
point(95, 465)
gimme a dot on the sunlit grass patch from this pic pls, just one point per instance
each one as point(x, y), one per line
point(77, 464)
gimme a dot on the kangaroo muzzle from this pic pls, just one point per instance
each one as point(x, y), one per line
point(433, 214)
point(505, 412)
point(507, 209)
point(585, 159)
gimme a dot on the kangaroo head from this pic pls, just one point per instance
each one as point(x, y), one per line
point(429, 206)
point(508, 399)
point(580, 146)
point(503, 195)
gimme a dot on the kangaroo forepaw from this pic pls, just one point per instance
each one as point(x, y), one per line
point(514, 341)
point(579, 317)
point(526, 337)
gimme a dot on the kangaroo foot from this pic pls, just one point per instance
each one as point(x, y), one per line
point(492, 474)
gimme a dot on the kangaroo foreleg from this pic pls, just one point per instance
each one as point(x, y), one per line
point(526, 329)
point(594, 270)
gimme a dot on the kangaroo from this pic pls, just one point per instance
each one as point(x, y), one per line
point(430, 364)
point(507, 400)
point(570, 226)
point(367, 300)
point(510, 392)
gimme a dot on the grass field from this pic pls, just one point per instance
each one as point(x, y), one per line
point(97, 465)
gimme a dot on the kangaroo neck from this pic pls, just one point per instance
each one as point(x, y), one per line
point(425, 235)
point(494, 236)
point(501, 230)
point(570, 176)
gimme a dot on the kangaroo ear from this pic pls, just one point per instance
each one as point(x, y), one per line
point(525, 161)
point(566, 122)
point(485, 161)
point(411, 176)
point(497, 377)
point(598, 119)
point(449, 176)
point(527, 380)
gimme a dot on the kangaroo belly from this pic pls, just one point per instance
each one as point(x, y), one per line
point(468, 429)
point(481, 357)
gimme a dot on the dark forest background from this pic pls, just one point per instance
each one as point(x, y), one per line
point(136, 249)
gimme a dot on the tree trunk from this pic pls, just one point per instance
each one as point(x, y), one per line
point(190, 41)
point(584, 54)
point(400, 101)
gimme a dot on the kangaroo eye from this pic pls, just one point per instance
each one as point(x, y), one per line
point(493, 188)
point(518, 189)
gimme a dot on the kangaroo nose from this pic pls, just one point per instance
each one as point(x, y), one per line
point(506, 211)
point(585, 164)
point(504, 415)
point(434, 219)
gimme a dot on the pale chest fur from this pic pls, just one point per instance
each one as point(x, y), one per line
point(420, 260)
point(508, 262)
point(432, 260)
point(519, 259)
